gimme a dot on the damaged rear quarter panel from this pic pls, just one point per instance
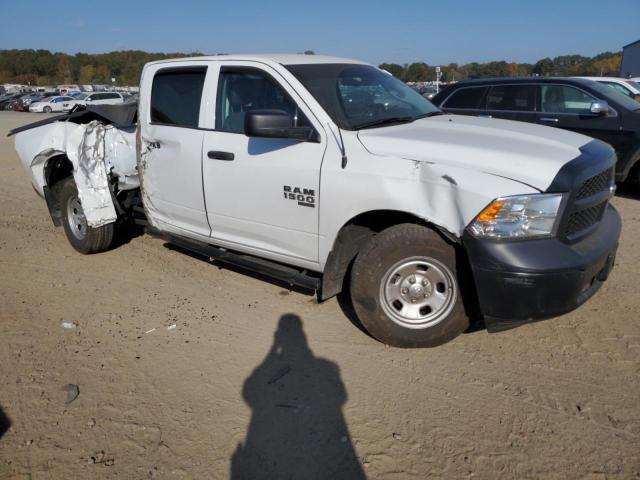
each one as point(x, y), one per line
point(95, 151)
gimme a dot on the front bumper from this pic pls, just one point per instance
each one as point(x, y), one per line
point(527, 280)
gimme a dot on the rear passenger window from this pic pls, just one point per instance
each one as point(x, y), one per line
point(519, 98)
point(469, 98)
point(176, 95)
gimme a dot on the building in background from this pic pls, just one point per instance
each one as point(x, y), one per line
point(630, 66)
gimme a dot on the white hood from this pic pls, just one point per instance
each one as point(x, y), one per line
point(527, 153)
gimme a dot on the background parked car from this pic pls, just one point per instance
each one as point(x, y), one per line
point(577, 104)
point(48, 105)
point(7, 98)
point(621, 85)
point(96, 98)
point(14, 102)
point(25, 101)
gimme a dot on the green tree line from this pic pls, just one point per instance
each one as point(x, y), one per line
point(604, 64)
point(42, 67)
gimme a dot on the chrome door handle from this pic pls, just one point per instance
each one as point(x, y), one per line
point(549, 119)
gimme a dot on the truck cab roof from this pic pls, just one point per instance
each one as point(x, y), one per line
point(281, 58)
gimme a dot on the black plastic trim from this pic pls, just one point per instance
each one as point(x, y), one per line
point(278, 271)
point(596, 156)
point(519, 282)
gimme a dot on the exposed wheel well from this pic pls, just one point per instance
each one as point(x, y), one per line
point(354, 235)
point(56, 169)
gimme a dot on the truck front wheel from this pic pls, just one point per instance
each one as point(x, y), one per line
point(81, 236)
point(404, 288)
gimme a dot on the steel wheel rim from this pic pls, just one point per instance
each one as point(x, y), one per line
point(76, 219)
point(418, 292)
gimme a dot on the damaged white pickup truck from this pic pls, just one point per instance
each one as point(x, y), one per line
point(331, 175)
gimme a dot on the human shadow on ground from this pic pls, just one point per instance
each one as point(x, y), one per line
point(5, 423)
point(297, 429)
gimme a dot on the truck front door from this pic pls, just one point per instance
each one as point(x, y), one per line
point(262, 194)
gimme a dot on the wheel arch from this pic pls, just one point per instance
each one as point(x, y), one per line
point(50, 167)
point(354, 235)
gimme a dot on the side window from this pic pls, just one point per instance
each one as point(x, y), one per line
point(176, 95)
point(244, 89)
point(565, 99)
point(519, 98)
point(619, 88)
point(467, 98)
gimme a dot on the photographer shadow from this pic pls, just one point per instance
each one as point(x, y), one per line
point(297, 429)
point(5, 423)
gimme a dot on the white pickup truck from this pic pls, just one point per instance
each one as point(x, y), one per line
point(332, 175)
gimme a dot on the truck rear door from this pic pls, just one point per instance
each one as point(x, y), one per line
point(171, 146)
point(262, 194)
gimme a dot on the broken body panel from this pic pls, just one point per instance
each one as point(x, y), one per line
point(98, 153)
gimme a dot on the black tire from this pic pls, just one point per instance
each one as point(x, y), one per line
point(82, 237)
point(385, 264)
point(47, 109)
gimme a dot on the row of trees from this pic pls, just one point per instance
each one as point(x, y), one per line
point(42, 67)
point(604, 64)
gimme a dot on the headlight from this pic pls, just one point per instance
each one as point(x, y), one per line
point(520, 216)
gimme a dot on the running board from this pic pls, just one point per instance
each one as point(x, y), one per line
point(275, 270)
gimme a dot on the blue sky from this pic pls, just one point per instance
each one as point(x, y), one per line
point(401, 31)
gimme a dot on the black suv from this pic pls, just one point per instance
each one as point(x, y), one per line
point(581, 105)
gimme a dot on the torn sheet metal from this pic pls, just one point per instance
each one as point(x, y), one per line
point(98, 153)
point(91, 178)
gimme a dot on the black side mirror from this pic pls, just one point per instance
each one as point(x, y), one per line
point(275, 124)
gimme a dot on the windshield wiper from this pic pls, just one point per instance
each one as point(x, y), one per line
point(384, 121)
point(387, 121)
point(431, 114)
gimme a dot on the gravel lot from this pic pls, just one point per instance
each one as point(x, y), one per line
point(250, 363)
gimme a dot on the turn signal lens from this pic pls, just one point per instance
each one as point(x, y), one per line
point(490, 213)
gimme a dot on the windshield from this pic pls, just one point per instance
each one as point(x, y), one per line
point(634, 84)
point(608, 93)
point(361, 96)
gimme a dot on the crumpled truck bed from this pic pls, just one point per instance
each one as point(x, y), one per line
point(99, 152)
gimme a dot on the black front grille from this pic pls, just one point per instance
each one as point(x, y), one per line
point(596, 184)
point(583, 219)
point(587, 205)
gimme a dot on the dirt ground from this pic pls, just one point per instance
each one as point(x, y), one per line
point(251, 366)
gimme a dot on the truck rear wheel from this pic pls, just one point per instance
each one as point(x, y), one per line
point(81, 236)
point(404, 288)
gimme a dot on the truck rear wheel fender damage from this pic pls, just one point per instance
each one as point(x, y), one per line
point(94, 153)
point(355, 234)
point(56, 169)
